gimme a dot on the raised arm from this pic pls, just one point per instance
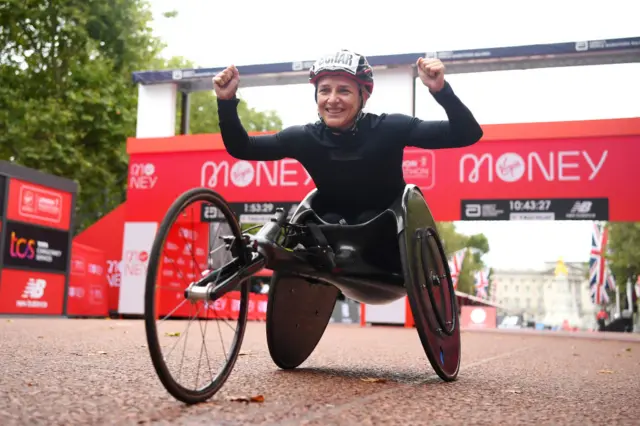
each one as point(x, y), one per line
point(244, 147)
point(234, 136)
point(460, 130)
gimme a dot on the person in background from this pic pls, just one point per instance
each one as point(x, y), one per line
point(601, 317)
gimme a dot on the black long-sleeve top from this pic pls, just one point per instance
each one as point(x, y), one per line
point(357, 171)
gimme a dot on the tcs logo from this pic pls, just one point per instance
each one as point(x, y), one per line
point(22, 248)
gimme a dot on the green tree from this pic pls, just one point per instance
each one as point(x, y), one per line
point(476, 245)
point(624, 252)
point(67, 102)
point(203, 107)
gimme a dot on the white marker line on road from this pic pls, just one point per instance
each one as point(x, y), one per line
point(359, 401)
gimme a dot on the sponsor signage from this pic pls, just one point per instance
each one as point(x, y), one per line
point(576, 169)
point(478, 317)
point(536, 209)
point(38, 205)
point(88, 290)
point(31, 292)
point(35, 247)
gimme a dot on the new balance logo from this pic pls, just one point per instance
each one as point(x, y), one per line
point(34, 289)
point(581, 207)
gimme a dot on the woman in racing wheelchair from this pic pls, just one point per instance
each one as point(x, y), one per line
point(355, 160)
point(353, 157)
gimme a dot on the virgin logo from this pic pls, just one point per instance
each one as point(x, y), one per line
point(242, 174)
point(478, 316)
point(135, 263)
point(27, 198)
point(511, 167)
point(142, 176)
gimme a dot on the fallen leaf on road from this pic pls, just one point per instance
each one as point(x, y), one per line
point(9, 320)
point(576, 354)
point(513, 391)
point(245, 353)
point(374, 380)
point(175, 334)
point(102, 353)
point(606, 371)
point(257, 398)
point(628, 350)
point(40, 337)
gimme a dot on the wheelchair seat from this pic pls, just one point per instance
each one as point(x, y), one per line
point(369, 248)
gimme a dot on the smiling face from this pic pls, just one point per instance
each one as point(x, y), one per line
point(338, 101)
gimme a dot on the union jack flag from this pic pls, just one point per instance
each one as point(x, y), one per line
point(455, 265)
point(600, 276)
point(482, 283)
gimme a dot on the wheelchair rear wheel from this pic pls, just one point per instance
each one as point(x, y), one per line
point(430, 287)
point(433, 303)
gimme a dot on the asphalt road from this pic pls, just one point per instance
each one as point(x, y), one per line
point(93, 372)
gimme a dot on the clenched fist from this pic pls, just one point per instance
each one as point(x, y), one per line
point(225, 83)
point(431, 72)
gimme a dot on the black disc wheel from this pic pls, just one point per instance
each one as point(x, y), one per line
point(433, 303)
point(188, 245)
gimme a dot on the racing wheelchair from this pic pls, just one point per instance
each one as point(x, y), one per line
point(398, 253)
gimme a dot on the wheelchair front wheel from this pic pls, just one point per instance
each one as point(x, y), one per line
point(184, 240)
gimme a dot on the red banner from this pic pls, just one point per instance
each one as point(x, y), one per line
point(184, 257)
point(39, 205)
point(569, 168)
point(107, 235)
point(88, 294)
point(31, 292)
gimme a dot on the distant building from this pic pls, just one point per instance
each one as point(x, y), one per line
point(532, 293)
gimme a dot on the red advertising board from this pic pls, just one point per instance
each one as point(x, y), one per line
point(561, 171)
point(35, 240)
point(107, 234)
point(39, 205)
point(184, 257)
point(88, 294)
point(31, 292)
point(478, 317)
